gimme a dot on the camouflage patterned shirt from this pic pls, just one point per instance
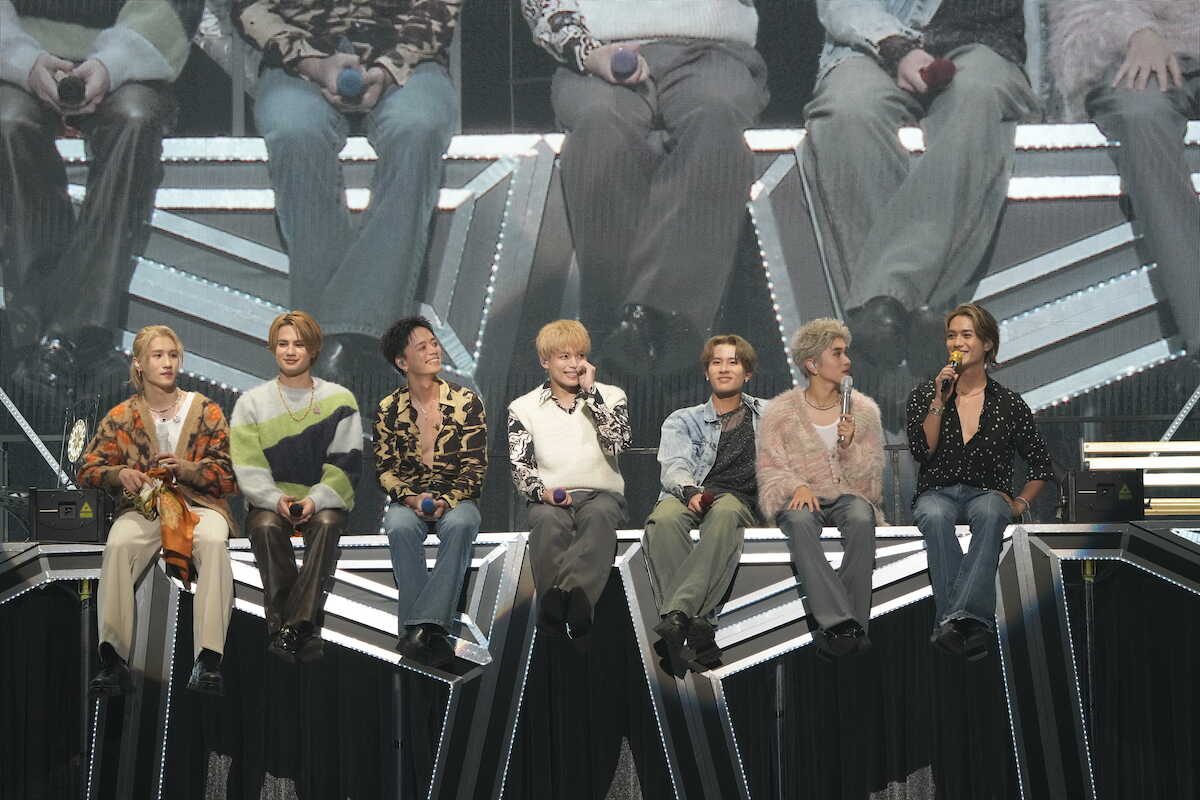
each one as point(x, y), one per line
point(396, 35)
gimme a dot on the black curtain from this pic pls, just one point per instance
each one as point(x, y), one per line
point(1145, 658)
point(40, 699)
point(579, 708)
point(902, 721)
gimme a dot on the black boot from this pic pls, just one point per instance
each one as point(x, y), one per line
point(114, 677)
point(206, 674)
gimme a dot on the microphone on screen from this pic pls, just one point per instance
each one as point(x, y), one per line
point(623, 64)
point(71, 90)
point(847, 386)
point(956, 362)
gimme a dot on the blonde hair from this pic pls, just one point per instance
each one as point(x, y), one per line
point(985, 328)
point(741, 348)
point(814, 338)
point(141, 343)
point(562, 334)
point(306, 328)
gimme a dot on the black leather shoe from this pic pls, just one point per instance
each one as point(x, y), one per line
point(354, 361)
point(947, 638)
point(926, 350)
point(579, 614)
point(206, 678)
point(977, 638)
point(880, 328)
point(702, 641)
point(413, 645)
point(844, 638)
point(114, 677)
point(427, 644)
point(552, 609)
point(649, 340)
point(673, 628)
point(284, 644)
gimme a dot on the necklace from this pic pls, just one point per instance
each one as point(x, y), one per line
point(428, 414)
point(165, 413)
point(817, 407)
point(312, 393)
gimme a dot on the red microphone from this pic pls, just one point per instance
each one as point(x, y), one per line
point(706, 500)
point(938, 73)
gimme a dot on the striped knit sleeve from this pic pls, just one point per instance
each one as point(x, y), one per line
point(342, 464)
point(250, 465)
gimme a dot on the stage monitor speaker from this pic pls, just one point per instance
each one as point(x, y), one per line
point(1105, 496)
point(69, 515)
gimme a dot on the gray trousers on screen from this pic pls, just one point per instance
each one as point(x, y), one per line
point(834, 596)
point(1150, 125)
point(573, 546)
point(657, 177)
point(913, 231)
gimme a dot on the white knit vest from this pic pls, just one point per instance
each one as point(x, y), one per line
point(624, 20)
point(565, 445)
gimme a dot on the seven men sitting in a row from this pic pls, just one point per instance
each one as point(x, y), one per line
point(808, 459)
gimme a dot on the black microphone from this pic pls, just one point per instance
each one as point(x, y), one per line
point(296, 510)
point(847, 387)
point(956, 362)
point(71, 90)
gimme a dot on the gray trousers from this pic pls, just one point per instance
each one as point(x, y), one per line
point(834, 596)
point(1150, 124)
point(913, 231)
point(693, 578)
point(573, 546)
point(657, 177)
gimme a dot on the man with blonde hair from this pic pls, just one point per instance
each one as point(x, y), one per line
point(297, 452)
point(563, 441)
point(707, 453)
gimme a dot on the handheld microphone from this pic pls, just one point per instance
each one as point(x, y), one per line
point(560, 496)
point(938, 73)
point(428, 506)
point(847, 387)
point(296, 510)
point(956, 362)
point(71, 90)
point(706, 500)
point(623, 64)
point(350, 81)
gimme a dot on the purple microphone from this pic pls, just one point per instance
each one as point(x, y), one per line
point(560, 496)
point(428, 506)
point(624, 63)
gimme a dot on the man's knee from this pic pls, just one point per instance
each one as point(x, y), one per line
point(1135, 112)
point(859, 512)
point(992, 510)
point(461, 522)
point(933, 510)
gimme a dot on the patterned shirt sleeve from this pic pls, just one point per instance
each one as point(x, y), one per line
point(212, 473)
point(102, 461)
point(559, 28)
point(1030, 444)
point(281, 40)
point(387, 452)
point(472, 460)
point(523, 460)
point(918, 408)
point(424, 35)
point(612, 424)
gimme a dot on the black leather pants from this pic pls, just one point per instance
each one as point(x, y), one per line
point(62, 274)
point(295, 596)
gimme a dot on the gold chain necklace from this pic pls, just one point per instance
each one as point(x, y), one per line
point(162, 412)
point(817, 407)
point(312, 393)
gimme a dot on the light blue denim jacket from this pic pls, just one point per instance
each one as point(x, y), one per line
point(687, 449)
point(858, 26)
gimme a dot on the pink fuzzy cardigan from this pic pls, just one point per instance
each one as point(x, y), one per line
point(1089, 36)
point(791, 454)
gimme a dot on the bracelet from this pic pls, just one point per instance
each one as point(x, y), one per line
point(937, 412)
point(1023, 500)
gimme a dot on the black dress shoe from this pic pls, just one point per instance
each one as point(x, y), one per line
point(552, 609)
point(579, 614)
point(650, 340)
point(354, 361)
point(427, 644)
point(114, 677)
point(702, 641)
point(844, 638)
point(672, 647)
point(977, 638)
point(284, 644)
point(206, 675)
point(880, 328)
point(947, 638)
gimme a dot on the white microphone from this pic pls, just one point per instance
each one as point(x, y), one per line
point(847, 386)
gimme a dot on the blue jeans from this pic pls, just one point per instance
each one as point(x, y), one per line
point(963, 585)
point(430, 596)
point(355, 282)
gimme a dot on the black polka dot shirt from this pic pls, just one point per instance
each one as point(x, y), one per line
point(1006, 428)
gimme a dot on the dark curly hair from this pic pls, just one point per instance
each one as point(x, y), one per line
point(393, 342)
